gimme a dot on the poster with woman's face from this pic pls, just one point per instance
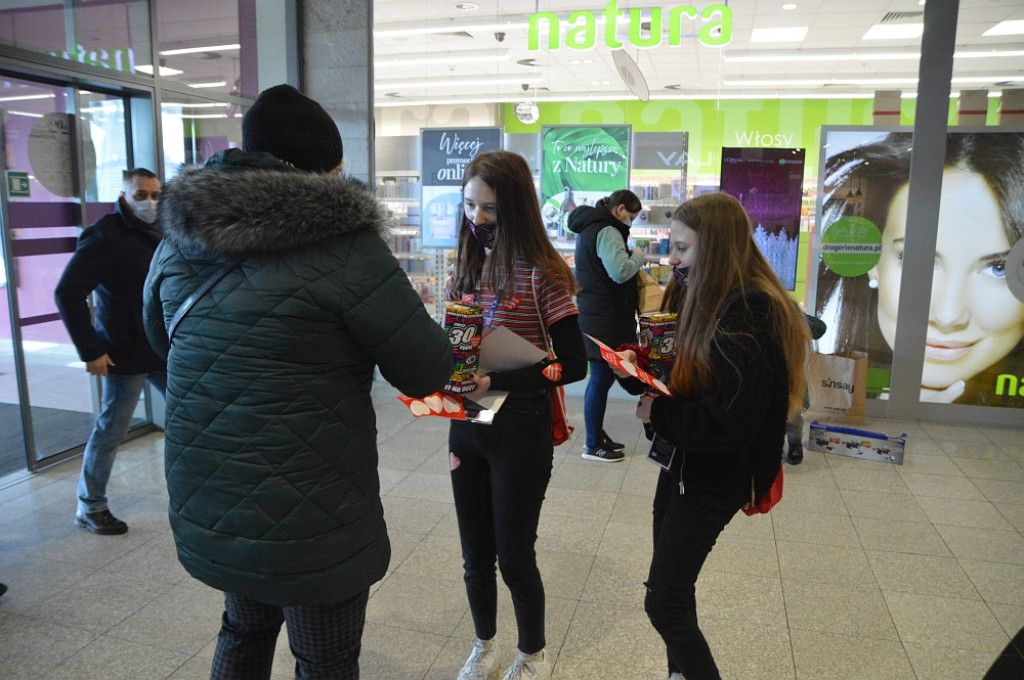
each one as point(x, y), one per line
point(974, 352)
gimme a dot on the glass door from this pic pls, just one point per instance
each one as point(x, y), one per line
point(60, 175)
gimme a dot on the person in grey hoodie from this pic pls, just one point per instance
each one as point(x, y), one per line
point(271, 451)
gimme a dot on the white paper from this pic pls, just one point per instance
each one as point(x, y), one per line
point(504, 350)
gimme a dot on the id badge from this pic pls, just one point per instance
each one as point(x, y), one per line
point(661, 453)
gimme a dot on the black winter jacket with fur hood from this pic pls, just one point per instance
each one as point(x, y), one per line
point(271, 454)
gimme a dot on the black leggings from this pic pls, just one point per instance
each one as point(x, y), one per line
point(500, 473)
point(686, 528)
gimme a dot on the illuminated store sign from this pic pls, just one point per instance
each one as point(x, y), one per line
point(581, 32)
point(117, 59)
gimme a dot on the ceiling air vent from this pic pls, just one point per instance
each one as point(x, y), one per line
point(458, 34)
point(902, 18)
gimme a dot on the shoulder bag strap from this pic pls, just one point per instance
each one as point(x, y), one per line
point(198, 293)
point(540, 316)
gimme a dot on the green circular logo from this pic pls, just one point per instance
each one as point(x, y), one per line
point(851, 246)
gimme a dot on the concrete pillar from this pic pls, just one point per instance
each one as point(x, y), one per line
point(972, 107)
point(337, 71)
point(887, 107)
point(1011, 107)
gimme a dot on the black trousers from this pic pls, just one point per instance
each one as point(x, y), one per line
point(325, 639)
point(686, 527)
point(500, 473)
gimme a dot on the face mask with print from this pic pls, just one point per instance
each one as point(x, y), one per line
point(484, 233)
point(145, 211)
point(682, 276)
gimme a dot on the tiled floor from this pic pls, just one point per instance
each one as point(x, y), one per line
point(865, 571)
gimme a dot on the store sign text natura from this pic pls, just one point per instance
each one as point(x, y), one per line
point(581, 31)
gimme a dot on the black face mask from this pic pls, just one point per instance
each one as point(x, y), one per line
point(682, 276)
point(483, 233)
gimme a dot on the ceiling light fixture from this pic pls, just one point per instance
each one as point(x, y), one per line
point(199, 86)
point(164, 70)
point(1014, 27)
point(197, 50)
point(894, 32)
point(788, 34)
point(511, 80)
point(790, 5)
point(204, 105)
point(26, 97)
point(865, 55)
point(467, 6)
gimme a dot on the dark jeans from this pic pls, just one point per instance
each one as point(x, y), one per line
point(325, 639)
point(595, 400)
point(500, 473)
point(686, 527)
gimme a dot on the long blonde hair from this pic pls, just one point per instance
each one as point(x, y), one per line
point(727, 260)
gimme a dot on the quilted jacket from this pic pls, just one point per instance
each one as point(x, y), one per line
point(270, 454)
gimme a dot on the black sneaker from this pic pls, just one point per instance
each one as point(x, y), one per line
point(101, 522)
point(607, 442)
point(795, 456)
point(602, 453)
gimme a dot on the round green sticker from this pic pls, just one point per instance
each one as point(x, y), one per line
point(851, 246)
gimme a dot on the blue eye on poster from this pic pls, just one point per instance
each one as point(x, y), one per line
point(445, 153)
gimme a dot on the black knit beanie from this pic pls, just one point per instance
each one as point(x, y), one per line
point(292, 127)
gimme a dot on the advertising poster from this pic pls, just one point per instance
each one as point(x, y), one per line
point(445, 153)
point(974, 347)
point(769, 184)
point(579, 165)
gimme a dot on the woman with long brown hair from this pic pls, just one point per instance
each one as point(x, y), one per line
point(500, 472)
point(741, 347)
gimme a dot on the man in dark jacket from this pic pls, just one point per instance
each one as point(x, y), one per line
point(271, 438)
point(112, 258)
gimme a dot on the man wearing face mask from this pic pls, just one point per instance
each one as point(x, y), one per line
point(112, 259)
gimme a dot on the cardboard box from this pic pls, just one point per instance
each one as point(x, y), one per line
point(848, 441)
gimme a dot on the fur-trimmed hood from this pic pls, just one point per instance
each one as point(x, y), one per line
point(243, 204)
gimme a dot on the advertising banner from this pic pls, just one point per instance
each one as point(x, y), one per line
point(445, 153)
point(579, 165)
point(769, 184)
point(974, 347)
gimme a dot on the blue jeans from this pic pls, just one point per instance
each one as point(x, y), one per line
point(595, 400)
point(120, 397)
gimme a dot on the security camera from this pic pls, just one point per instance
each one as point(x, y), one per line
point(499, 36)
point(525, 86)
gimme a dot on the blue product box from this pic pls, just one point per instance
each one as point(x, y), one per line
point(848, 441)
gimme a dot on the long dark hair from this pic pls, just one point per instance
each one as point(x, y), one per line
point(880, 170)
point(624, 197)
point(519, 231)
point(727, 260)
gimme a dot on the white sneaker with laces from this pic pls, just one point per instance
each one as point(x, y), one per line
point(481, 661)
point(676, 676)
point(529, 667)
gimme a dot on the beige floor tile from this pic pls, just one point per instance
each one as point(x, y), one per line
point(413, 515)
point(603, 638)
point(30, 647)
point(591, 505)
point(393, 652)
point(810, 527)
point(389, 479)
point(1012, 513)
point(440, 557)
point(812, 563)
point(565, 574)
point(1000, 490)
point(842, 610)
point(641, 479)
point(617, 582)
point(418, 603)
point(183, 619)
point(633, 510)
point(1010, 616)
point(969, 543)
point(112, 658)
point(897, 536)
point(576, 473)
point(945, 663)
point(625, 541)
point(563, 533)
point(558, 615)
point(1004, 470)
point(820, 499)
point(973, 450)
point(100, 601)
point(945, 621)
point(880, 477)
point(738, 555)
point(156, 560)
point(825, 656)
point(921, 574)
point(1005, 435)
point(198, 666)
point(424, 486)
point(889, 506)
point(810, 473)
point(760, 527)
point(402, 543)
point(964, 513)
point(730, 602)
point(964, 433)
point(753, 653)
point(930, 465)
point(996, 581)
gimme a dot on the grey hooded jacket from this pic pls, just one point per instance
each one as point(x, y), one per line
point(271, 453)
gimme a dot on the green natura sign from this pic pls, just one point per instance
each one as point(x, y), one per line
point(713, 25)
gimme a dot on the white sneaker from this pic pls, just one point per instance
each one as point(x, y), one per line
point(676, 676)
point(481, 661)
point(529, 667)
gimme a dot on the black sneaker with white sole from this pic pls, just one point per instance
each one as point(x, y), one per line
point(607, 442)
point(602, 453)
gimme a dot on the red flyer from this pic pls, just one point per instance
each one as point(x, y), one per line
point(615, 361)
